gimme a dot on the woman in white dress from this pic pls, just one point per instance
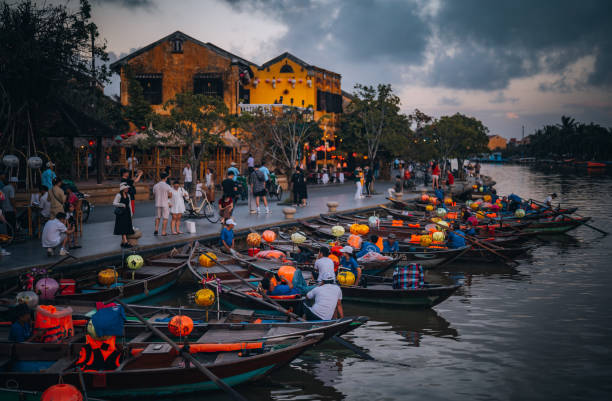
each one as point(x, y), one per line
point(358, 183)
point(177, 206)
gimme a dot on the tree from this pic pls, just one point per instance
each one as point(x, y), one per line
point(372, 116)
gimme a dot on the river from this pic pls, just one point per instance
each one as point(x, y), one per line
point(541, 331)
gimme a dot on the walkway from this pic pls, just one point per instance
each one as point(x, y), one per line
point(99, 243)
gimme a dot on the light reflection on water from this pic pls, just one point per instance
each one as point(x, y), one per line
point(539, 331)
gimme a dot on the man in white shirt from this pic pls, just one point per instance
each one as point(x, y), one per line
point(327, 299)
point(55, 235)
point(325, 266)
point(549, 199)
point(161, 192)
point(188, 177)
point(251, 163)
point(132, 161)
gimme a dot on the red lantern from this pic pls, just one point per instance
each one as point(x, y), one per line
point(180, 325)
point(62, 392)
point(268, 236)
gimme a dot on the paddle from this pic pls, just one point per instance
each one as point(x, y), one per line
point(571, 218)
point(276, 306)
point(230, 391)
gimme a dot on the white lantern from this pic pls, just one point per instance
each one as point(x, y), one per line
point(309, 83)
point(337, 231)
point(297, 238)
point(35, 162)
point(10, 161)
point(373, 221)
point(274, 83)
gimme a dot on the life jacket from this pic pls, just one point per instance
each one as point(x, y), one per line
point(99, 355)
point(54, 324)
point(380, 244)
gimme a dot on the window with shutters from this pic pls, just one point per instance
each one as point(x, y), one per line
point(151, 87)
point(209, 84)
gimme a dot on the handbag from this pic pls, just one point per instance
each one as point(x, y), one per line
point(119, 211)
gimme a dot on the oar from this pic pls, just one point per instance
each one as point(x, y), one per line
point(278, 307)
point(222, 385)
point(571, 218)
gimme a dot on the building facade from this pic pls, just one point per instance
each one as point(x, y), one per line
point(497, 142)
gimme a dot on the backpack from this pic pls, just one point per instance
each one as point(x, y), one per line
point(408, 277)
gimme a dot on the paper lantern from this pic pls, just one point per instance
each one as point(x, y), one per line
point(443, 224)
point(481, 189)
point(268, 236)
point(107, 277)
point(336, 261)
point(441, 212)
point(354, 240)
point(520, 213)
point(363, 229)
point(487, 198)
point(204, 297)
point(346, 278)
point(429, 208)
point(436, 219)
point(10, 161)
point(207, 259)
point(47, 288)
point(468, 203)
point(35, 162)
point(438, 236)
point(474, 186)
point(424, 197)
point(135, 262)
point(180, 325)
point(62, 392)
point(253, 240)
point(474, 206)
point(373, 221)
point(354, 229)
point(425, 241)
point(298, 238)
point(433, 200)
point(337, 231)
point(30, 298)
point(448, 201)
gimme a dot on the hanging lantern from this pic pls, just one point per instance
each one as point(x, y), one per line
point(10, 161)
point(346, 278)
point(253, 240)
point(309, 83)
point(337, 231)
point(35, 162)
point(297, 238)
point(62, 392)
point(438, 236)
point(107, 277)
point(424, 197)
point(135, 262)
point(47, 288)
point(207, 259)
point(268, 236)
point(363, 229)
point(443, 224)
point(373, 221)
point(429, 208)
point(448, 201)
point(30, 298)
point(180, 325)
point(204, 297)
point(441, 212)
point(425, 241)
point(520, 213)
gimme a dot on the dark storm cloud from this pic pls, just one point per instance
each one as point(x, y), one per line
point(491, 42)
point(127, 3)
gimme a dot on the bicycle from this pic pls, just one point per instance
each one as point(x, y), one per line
point(206, 209)
point(274, 189)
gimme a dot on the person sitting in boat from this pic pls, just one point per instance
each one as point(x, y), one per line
point(324, 265)
point(369, 246)
point(226, 241)
point(455, 238)
point(327, 302)
point(277, 285)
point(439, 194)
point(494, 196)
point(347, 261)
point(391, 245)
point(549, 199)
point(21, 329)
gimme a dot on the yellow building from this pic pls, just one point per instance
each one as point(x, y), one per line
point(496, 142)
point(290, 81)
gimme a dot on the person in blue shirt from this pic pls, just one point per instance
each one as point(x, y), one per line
point(48, 176)
point(348, 262)
point(226, 241)
point(234, 170)
point(369, 246)
point(283, 287)
point(21, 330)
point(439, 194)
point(265, 170)
point(390, 245)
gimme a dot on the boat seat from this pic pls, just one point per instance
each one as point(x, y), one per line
point(217, 336)
point(167, 262)
point(141, 338)
point(150, 271)
point(279, 331)
point(59, 366)
point(224, 357)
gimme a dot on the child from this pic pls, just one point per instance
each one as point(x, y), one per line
point(71, 226)
point(198, 193)
point(226, 206)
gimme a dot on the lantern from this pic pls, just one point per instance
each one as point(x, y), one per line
point(337, 231)
point(474, 206)
point(425, 241)
point(268, 236)
point(346, 278)
point(363, 229)
point(253, 240)
point(62, 392)
point(336, 261)
point(107, 277)
point(424, 197)
point(207, 259)
point(354, 229)
point(448, 201)
point(520, 213)
point(429, 208)
point(204, 297)
point(441, 212)
point(438, 236)
point(298, 238)
point(436, 219)
point(481, 189)
point(474, 186)
point(135, 262)
point(35, 162)
point(47, 288)
point(354, 240)
point(10, 161)
point(487, 198)
point(30, 298)
point(373, 221)
point(180, 325)
point(433, 200)
point(468, 203)
point(443, 224)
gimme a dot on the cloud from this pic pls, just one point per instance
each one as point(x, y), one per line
point(511, 116)
point(501, 98)
point(449, 101)
point(127, 3)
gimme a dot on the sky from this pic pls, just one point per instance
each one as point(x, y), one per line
point(508, 63)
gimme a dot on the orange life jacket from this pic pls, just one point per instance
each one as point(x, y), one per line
point(379, 243)
point(99, 355)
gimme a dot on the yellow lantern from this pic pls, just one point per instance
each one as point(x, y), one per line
point(107, 277)
point(207, 259)
point(429, 208)
point(438, 236)
point(448, 201)
point(425, 240)
point(363, 229)
point(520, 213)
point(253, 240)
point(443, 224)
point(354, 229)
point(337, 231)
point(487, 198)
point(436, 219)
point(346, 278)
point(474, 206)
point(204, 297)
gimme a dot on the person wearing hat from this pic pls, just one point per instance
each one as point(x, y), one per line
point(391, 245)
point(48, 175)
point(348, 262)
point(21, 329)
point(226, 240)
point(234, 170)
point(123, 214)
point(8, 204)
point(126, 176)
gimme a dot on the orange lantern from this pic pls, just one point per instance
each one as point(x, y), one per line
point(180, 325)
point(448, 201)
point(354, 240)
point(336, 261)
point(253, 240)
point(62, 392)
point(354, 229)
point(363, 229)
point(397, 223)
point(424, 197)
point(268, 236)
point(433, 200)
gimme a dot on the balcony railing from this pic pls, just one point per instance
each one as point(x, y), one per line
point(266, 108)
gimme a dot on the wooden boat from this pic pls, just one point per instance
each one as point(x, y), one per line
point(153, 372)
point(158, 274)
point(556, 225)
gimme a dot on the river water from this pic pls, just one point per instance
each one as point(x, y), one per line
point(541, 331)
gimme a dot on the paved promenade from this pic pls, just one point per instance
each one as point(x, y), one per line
point(99, 243)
